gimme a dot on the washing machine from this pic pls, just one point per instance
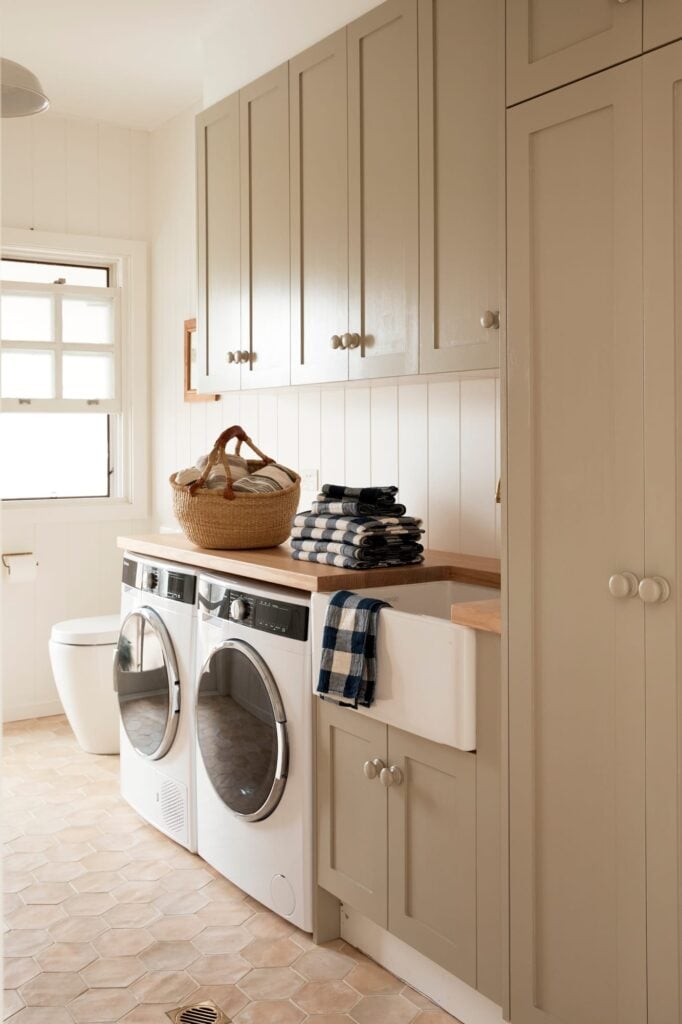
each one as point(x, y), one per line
point(254, 767)
point(154, 679)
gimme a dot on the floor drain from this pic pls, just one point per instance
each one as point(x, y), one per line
point(199, 1013)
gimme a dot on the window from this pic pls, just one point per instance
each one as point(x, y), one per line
point(73, 365)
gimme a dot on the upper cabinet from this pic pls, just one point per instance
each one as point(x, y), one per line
point(319, 212)
point(461, 125)
point(219, 258)
point(383, 187)
point(264, 151)
point(552, 42)
point(662, 22)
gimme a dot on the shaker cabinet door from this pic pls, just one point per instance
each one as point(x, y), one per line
point(264, 150)
point(461, 62)
point(663, 520)
point(432, 851)
point(319, 212)
point(553, 42)
point(575, 511)
point(351, 810)
point(218, 234)
point(384, 191)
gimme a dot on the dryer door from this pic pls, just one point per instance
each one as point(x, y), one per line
point(241, 730)
point(148, 683)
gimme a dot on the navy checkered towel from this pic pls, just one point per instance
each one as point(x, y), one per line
point(348, 662)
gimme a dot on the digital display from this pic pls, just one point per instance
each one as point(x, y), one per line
point(273, 616)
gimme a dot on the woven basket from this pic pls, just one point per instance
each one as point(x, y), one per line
point(222, 520)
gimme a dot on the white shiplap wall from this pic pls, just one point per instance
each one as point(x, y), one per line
point(436, 437)
point(76, 177)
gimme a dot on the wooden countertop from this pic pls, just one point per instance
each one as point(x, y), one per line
point(483, 615)
point(275, 565)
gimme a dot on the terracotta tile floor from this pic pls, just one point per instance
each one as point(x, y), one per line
point(107, 920)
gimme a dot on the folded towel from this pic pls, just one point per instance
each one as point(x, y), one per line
point(238, 468)
point(272, 477)
point(355, 524)
point(363, 552)
point(367, 495)
point(348, 662)
point(343, 562)
point(354, 508)
point(360, 539)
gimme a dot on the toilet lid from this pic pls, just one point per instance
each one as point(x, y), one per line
point(90, 632)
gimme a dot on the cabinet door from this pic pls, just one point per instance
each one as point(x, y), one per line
point(552, 42)
point(662, 22)
point(319, 211)
point(351, 810)
point(575, 517)
point(264, 124)
point(218, 235)
point(663, 442)
point(432, 851)
point(384, 190)
point(461, 44)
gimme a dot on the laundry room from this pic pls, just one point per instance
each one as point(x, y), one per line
point(339, 511)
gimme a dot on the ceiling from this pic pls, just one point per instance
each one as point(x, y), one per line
point(129, 62)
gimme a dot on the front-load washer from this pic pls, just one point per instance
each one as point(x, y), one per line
point(154, 679)
point(254, 718)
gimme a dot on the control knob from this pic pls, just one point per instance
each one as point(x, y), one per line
point(150, 579)
point(238, 609)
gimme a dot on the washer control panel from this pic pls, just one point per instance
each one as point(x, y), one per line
point(266, 614)
point(158, 580)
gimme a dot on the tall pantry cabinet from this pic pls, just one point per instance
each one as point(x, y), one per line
point(594, 499)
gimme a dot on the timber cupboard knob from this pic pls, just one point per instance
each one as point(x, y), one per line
point(373, 768)
point(230, 357)
point(623, 584)
point(391, 776)
point(243, 356)
point(490, 318)
point(351, 340)
point(336, 341)
point(654, 590)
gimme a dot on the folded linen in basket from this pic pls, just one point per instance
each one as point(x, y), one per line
point(355, 524)
point(354, 508)
point(364, 552)
point(272, 477)
point(343, 562)
point(217, 478)
point(348, 661)
point(376, 496)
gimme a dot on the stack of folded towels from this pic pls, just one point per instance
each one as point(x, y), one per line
point(357, 528)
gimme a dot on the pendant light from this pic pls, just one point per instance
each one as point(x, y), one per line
point(22, 93)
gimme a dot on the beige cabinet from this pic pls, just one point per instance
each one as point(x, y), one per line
point(553, 42)
point(594, 465)
point(396, 823)
point(461, 147)
point(383, 185)
point(662, 22)
point(219, 259)
point(319, 212)
point(264, 156)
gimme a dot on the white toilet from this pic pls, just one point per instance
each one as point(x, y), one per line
point(82, 654)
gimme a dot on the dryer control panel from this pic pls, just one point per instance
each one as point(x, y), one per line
point(159, 580)
point(263, 613)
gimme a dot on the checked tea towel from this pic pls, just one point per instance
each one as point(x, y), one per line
point(348, 662)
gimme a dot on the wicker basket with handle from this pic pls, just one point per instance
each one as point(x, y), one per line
point(225, 519)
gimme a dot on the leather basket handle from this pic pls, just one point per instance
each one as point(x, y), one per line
point(218, 455)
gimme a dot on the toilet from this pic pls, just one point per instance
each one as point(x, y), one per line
point(82, 654)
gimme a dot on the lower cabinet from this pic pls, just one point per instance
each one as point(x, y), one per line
point(397, 833)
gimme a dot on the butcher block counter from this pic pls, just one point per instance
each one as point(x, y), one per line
point(275, 565)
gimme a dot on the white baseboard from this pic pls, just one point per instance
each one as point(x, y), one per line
point(20, 712)
point(453, 995)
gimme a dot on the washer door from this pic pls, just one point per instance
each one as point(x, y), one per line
point(241, 730)
point(148, 683)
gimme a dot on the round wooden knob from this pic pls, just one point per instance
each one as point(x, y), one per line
point(489, 319)
point(654, 590)
point(623, 584)
point(373, 768)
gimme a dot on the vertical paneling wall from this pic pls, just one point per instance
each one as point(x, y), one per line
point(437, 438)
point(76, 177)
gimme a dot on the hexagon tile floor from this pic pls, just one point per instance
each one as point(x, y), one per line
point(107, 920)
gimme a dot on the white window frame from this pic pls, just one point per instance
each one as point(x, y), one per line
point(129, 436)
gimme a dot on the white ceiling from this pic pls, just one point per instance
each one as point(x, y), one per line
point(129, 62)
point(139, 62)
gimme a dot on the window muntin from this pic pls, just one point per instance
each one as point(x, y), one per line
point(43, 272)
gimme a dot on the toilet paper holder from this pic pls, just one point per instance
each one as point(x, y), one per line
point(13, 554)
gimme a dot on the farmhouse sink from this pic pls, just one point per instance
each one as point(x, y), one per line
point(426, 665)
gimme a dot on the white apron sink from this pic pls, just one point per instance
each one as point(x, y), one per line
point(426, 665)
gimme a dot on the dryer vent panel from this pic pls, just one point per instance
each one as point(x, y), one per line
point(173, 805)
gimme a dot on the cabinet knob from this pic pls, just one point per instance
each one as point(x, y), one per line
point(490, 318)
point(622, 1)
point(244, 357)
point(654, 590)
point(623, 584)
point(230, 357)
point(374, 767)
point(351, 340)
point(391, 776)
point(336, 341)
